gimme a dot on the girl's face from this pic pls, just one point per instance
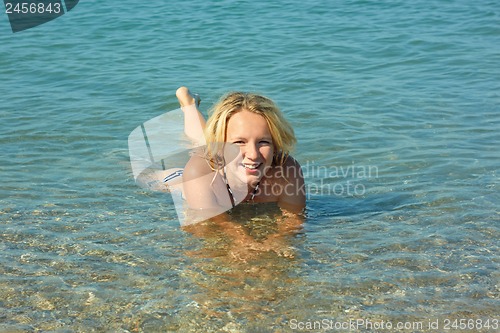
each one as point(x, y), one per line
point(249, 132)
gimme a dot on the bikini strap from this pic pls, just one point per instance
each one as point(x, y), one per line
point(229, 191)
point(231, 197)
point(255, 191)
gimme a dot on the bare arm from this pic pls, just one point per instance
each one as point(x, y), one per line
point(205, 192)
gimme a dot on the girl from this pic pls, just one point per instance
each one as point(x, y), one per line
point(245, 158)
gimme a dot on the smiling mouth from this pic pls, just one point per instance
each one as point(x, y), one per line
point(252, 166)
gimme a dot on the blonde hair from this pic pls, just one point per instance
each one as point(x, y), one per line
point(281, 131)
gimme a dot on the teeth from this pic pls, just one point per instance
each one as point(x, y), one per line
point(251, 166)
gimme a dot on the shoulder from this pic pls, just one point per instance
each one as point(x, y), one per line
point(290, 170)
point(196, 167)
point(199, 183)
point(292, 198)
point(291, 162)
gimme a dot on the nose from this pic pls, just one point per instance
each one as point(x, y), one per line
point(251, 151)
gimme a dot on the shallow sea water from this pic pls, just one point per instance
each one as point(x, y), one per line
point(396, 110)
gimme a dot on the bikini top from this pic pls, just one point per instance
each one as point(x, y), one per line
point(230, 192)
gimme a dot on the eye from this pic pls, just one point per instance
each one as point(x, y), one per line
point(265, 142)
point(238, 142)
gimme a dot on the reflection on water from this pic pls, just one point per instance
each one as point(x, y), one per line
point(95, 273)
point(254, 271)
point(246, 266)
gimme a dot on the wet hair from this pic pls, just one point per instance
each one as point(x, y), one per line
point(281, 131)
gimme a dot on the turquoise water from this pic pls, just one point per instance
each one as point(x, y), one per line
point(396, 108)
